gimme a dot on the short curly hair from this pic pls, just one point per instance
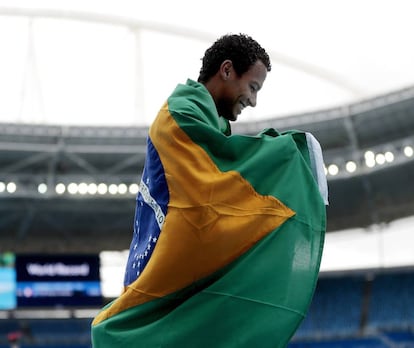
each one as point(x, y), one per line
point(241, 49)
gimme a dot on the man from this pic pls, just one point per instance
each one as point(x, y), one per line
point(234, 70)
point(229, 229)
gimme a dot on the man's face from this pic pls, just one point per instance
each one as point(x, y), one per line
point(240, 91)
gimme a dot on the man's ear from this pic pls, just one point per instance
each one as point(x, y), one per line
point(226, 69)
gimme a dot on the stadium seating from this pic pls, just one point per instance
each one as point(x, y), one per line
point(342, 343)
point(347, 311)
point(392, 303)
point(363, 310)
point(332, 297)
point(48, 333)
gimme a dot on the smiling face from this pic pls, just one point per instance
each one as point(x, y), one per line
point(238, 92)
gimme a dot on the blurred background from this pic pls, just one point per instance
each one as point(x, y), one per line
point(81, 81)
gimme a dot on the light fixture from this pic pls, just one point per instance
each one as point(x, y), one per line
point(102, 188)
point(389, 156)
point(408, 151)
point(83, 188)
point(133, 189)
point(380, 158)
point(113, 189)
point(92, 188)
point(333, 169)
point(369, 155)
point(350, 166)
point(60, 188)
point(73, 188)
point(42, 188)
point(122, 189)
point(11, 187)
point(370, 162)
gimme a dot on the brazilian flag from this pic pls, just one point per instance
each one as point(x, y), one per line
point(228, 235)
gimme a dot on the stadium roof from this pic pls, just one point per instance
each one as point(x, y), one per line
point(77, 184)
point(70, 68)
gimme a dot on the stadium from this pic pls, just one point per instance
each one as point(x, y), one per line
point(68, 184)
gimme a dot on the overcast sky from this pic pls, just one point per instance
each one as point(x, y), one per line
point(63, 67)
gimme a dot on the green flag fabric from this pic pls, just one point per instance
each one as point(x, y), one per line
point(228, 234)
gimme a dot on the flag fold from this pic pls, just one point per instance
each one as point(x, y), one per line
point(228, 234)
